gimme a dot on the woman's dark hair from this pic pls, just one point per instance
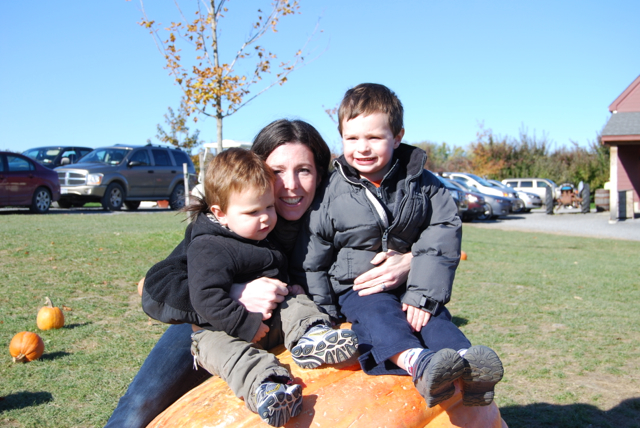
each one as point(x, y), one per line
point(284, 131)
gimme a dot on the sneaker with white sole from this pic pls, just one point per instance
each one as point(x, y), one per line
point(323, 345)
point(483, 370)
point(277, 402)
point(435, 373)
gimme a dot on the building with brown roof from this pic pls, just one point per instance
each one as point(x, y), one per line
point(622, 135)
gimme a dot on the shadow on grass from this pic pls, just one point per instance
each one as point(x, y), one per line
point(54, 356)
point(23, 399)
point(459, 321)
point(70, 326)
point(624, 415)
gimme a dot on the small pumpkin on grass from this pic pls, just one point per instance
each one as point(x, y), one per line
point(26, 346)
point(50, 316)
point(463, 255)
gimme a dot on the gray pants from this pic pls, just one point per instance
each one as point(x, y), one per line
point(244, 365)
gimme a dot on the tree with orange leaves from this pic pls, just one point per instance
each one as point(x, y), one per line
point(213, 87)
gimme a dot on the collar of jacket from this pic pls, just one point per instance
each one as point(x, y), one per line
point(414, 158)
point(207, 224)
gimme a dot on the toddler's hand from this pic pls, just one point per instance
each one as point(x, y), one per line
point(262, 332)
point(295, 289)
point(416, 317)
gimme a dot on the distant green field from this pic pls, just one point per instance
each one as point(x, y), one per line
point(561, 312)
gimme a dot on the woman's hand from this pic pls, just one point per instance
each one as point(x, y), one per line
point(392, 270)
point(416, 317)
point(295, 289)
point(260, 295)
point(262, 332)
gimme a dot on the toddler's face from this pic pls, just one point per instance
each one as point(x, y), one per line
point(250, 214)
point(368, 144)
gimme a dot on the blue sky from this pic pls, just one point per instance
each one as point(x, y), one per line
point(85, 73)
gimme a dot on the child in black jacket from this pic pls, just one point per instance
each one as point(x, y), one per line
point(226, 244)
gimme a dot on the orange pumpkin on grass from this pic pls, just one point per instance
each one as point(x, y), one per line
point(334, 397)
point(49, 316)
point(26, 346)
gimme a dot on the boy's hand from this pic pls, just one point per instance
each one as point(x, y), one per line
point(392, 270)
point(262, 332)
point(295, 289)
point(416, 317)
point(260, 295)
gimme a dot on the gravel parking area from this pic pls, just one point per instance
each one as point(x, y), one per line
point(567, 222)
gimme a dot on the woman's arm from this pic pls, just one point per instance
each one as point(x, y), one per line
point(391, 271)
point(260, 295)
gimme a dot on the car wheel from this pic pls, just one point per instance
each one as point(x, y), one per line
point(113, 198)
point(487, 214)
point(177, 197)
point(41, 201)
point(585, 194)
point(64, 204)
point(519, 207)
point(132, 205)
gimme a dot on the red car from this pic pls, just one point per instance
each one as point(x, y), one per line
point(26, 183)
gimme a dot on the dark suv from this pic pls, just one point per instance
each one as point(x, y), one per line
point(126, 175)
point(53, 156)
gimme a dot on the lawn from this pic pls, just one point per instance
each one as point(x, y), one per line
point(561, 311)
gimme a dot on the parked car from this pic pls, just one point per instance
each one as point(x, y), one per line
point(53, 156)
point(26, 183)
point(472, 204)
point(520, 204)
point(480, 184)
point(533, 185)
point(126, 175)
point(495, 206)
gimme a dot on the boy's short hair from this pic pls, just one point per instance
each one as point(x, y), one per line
point(235, 170)
point(368, 98)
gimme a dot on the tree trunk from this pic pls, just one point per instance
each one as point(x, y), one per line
point(219, 127)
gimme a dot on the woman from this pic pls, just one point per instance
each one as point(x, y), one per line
point(300, 158)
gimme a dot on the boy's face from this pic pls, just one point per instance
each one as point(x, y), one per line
point(250, 214)
point(368, 144)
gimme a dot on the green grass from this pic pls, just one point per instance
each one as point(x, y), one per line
point(561, 311)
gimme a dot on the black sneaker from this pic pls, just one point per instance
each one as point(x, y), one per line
point(324, 345)
point(277, 402)
point(434, 374)
point(483, 370)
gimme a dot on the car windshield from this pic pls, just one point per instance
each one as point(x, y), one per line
point(481, 180)
point(45, 155)
point(464, 186)
point(107, 156)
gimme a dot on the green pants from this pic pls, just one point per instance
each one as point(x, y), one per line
point(245, 365)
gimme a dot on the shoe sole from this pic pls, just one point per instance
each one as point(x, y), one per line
point(278, 408)
point(335, 348)
point(483, 371)
point(444, 368)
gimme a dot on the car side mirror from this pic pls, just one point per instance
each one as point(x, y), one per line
point(65, 161)
point(134, 163)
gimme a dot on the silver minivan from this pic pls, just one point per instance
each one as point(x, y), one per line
point(533, 185)
point(126, 175)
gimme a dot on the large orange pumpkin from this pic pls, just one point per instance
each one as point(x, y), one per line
point(334, 397)
point(26, 346)
point(49, 316)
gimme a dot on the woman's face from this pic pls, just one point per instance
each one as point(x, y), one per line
point(296, 179)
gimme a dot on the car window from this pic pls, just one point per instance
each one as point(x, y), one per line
point(180, 158)
point(526, 184)
point(71, 154)
point(107, 156)
point(1, 163)
point(45, 155)
point(141, 156)
point(161, 157)
point(512, 183)
point(18, 164)
point(542, 183)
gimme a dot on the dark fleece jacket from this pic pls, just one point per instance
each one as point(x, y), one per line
point(192, 285)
